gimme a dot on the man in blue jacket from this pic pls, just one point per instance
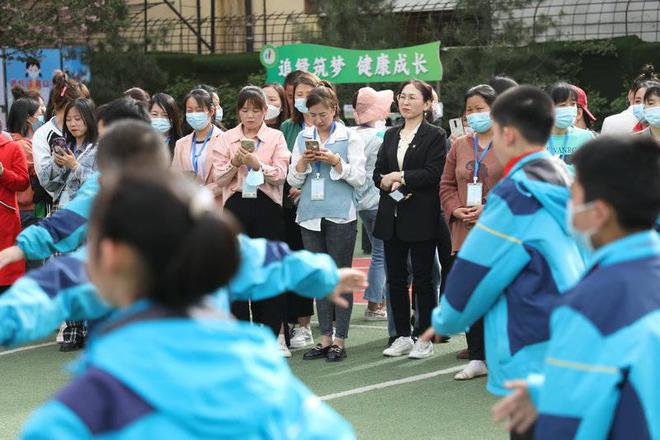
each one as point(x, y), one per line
point(601, 370)
point(520, 256)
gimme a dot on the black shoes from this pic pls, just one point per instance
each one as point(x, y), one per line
point(331, 353)
point(317, 352)
point(336, 354)
point(66, 347)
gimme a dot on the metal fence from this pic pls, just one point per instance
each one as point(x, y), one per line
point(569, 19)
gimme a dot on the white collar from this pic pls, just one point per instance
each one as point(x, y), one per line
point(340, 133)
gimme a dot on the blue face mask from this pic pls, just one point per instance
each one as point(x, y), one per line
point(219, 113)
point(38, 123)
point(565, 116)
point(197, 120)
point(479, 122)
point(301, 105)
point(652, 116)
point(162, 125)
point(638, 111)
point(42, 119)
point(582, 238)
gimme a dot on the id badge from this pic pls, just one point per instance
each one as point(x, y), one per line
point(475, 194)
point(249, 191)
point(318, 189)
point(397, 195)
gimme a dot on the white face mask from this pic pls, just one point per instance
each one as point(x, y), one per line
point(438, 110)
point(272, 112)
point(582, 238)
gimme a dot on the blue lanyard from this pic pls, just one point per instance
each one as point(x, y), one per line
point(551, 147)
point(256, 148)
point(195, 154)
point(477, 159)
point(317, 164)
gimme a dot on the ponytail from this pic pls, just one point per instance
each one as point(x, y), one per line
point(187, 251)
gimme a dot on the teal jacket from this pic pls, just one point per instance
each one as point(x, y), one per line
point(513, 267)
point(601, 375)
point(207, 377)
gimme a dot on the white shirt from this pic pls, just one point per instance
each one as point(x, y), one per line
point(41, 153)
point(621, 123)
point(353, 171)
point(404, 144)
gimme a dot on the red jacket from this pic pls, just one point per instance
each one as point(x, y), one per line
point(13, 180)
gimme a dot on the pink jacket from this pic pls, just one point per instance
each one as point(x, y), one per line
point(272, 153)
point(182, 161)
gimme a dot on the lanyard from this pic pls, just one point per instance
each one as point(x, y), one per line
point(256, 148)
point(317, 164)
point(477, 159)
point(195, 154)
point(551, 147)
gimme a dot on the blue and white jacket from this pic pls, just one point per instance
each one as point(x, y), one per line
point(601, 375)
point(60, 290)
point(513, 267)
point(208, 377)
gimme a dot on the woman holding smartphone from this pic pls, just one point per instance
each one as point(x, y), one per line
point(328, 165)
point(250, 166)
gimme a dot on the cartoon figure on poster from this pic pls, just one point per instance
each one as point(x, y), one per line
point(33, 72)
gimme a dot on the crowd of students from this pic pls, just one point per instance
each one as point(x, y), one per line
point(183, 223)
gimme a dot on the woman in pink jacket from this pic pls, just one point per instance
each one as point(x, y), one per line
point(193, 153)
point(250, 166)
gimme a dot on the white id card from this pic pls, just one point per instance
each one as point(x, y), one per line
point(475, 194)
point(397, 195)
point(249, 191)
point(318, 189)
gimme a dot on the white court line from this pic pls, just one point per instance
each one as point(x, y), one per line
point(378, 327)
point(29, 347)
point(392, 383)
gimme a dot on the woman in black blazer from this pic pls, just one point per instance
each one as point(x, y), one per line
point(408, 170)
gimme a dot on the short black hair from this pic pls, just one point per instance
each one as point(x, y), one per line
point(528, 109)
point(291, 77)
point(561, 92)
point(252, 94)
point(502, 83)
point(20, 111)
point(86, 109)
point(653, 89)
point(625, 173)
point(484, 91)
point(132, 144)
point(183, 259)
point(122, 108)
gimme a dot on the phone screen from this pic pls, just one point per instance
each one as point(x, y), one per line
point(248, 144)
point(312, 145)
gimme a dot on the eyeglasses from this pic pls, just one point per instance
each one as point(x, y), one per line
point(410, 98)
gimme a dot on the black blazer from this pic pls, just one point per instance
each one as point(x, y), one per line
point(420, 217)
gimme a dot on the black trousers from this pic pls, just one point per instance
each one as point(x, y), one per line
point(260, 218)
point(444, 253)
point(422, 255)
point(474, 336)
point(295, 306)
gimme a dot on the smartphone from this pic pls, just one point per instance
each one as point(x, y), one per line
point(312, 145)
point(248, 144)
point(456, 127)
point(59, 150)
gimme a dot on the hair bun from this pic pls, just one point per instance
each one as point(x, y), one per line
point(648, 71)
point(18, 92)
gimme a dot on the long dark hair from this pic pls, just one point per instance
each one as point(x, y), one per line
point(183, 259)
point(167, 103)
point(86, 109)
point(20, 111)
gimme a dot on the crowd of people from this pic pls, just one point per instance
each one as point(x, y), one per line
point(524, 228)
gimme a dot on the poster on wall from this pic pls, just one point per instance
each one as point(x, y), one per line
point(32, 72)
point(74, 65)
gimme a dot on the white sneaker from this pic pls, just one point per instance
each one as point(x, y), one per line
point(375, 315)
point(301, 337)
point(285, 350)
point(421, 350)
point(401, 346)
point(473, 369)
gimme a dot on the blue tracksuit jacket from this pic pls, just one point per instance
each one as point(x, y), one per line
point(513, 267)
point(601, 375)
point(207, 377)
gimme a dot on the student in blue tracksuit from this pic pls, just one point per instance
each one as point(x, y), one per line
point(531, 258)
point(168, 363)
point(35, 305)
point(601, 371)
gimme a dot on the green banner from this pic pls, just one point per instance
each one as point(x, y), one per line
point(343, 66)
